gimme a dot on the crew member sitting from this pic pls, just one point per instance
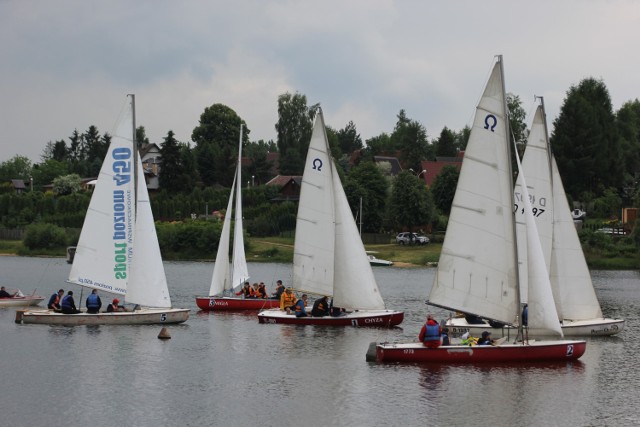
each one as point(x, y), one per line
point(320, 307)
point(114, 306)
point(5, 294)
point(68, 305)
point(288, 301)
point(93, 303)
point(430, 333)
point(301, 309)
point(485, 339)
point(54, 301)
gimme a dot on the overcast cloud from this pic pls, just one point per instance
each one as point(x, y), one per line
point(68, 64)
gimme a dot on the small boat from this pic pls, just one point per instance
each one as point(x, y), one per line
point(227, 277)
point(377, 262)
point(21, 300)
point(329, 258)
point(575, 299)
point(534, 351)
point(118, 249)
point(478, 268)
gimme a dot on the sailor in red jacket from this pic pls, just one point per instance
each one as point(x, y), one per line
point(430, 334)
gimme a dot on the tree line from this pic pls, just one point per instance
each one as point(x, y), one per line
point(597, 150)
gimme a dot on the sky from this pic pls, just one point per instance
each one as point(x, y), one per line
point(69, 64)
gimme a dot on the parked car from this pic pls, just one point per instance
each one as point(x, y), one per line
point(406, 239)
point(578, 214)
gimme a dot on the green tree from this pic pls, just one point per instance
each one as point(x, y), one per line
point(444, 188)
point(44, 173)
point(584, 140)
point(517, 117)
point(368, 182)
point(410, 137)
point(445, 145)
point(19, 167)
point(219, 129)
point(349, 139)
point(628, 129)
point(294, 126)
point(171, 165)
point(410, 204)
point(67, 184)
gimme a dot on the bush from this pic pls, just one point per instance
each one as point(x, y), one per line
point(44, 236)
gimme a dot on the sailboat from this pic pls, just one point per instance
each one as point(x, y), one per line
point(118, 250)
point(227, 277)
point(329, 258)
point(576, 302)
point(20, 300)
point(478, 267)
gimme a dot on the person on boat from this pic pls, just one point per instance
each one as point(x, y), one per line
point(255, 291)
point(114, 306)
point(336, 311)
point(468, 339)
point(430, 334)
point(68, 305)
point(445, 336)
point(93, 303)
point(246, 291)
point(279, 290)
point(320, 307)
point(300, 306)
point(262, 291)
point(485, 339)
point(5, 294)
point(54, 301)
point(288, 300)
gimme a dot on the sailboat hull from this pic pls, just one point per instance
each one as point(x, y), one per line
point(570, 328)
point(235, 304)
point(21, 301)
point(539, 351)
point(144, 316)
point(370, 318)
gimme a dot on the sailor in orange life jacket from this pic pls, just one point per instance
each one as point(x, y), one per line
point(288, 300)
point(246, 291)
point(430, 333)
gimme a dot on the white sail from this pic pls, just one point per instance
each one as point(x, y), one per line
point(314, 244)
point(221, 278)
point(477, 270)
point(329, 257)
point(542, 309)
point(570, 278)
point(535, 166)
point(118, 249)
point(103, 254)
point(240, 272)
point(148, 283)
point(573, 290)
point(354, 283)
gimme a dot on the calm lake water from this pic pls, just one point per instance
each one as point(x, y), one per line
point(225, 369)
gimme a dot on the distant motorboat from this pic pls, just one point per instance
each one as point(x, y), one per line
point(377, 262)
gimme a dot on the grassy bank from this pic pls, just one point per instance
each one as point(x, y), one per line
point(280, 249)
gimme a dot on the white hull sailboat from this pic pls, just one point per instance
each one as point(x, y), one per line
point(227, 277)
point(576, 302)
point(329, 258)
point(118, 250)
point(478, 267)
point(21, 300)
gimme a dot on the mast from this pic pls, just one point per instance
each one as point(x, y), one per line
point(135, 150)
point(509, 166)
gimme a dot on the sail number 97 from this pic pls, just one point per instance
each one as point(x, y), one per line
point(535, 211)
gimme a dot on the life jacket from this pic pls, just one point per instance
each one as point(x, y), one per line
point(299, 306)
point(66, 301)
point(432, 333)
point(287, 300)
point(92, 301)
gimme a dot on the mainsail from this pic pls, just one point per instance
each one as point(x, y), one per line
point(329, 257)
